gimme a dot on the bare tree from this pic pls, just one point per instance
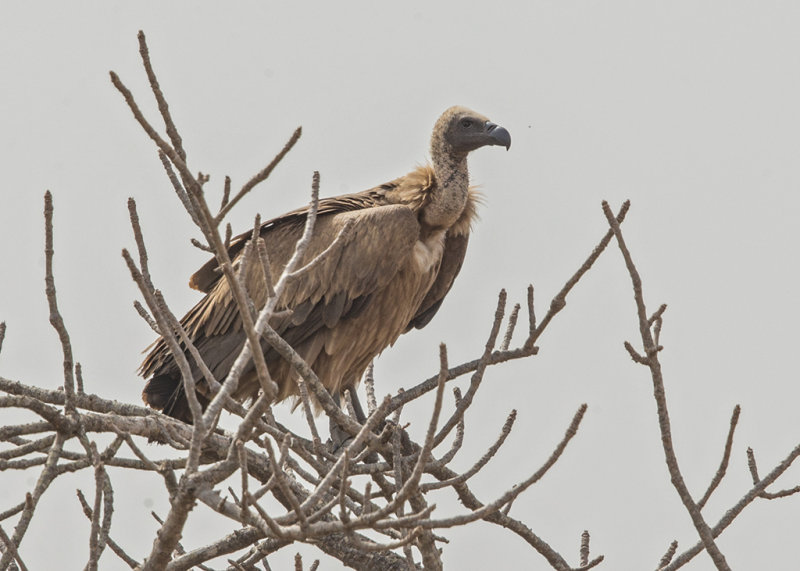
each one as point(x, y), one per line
point(370, 504)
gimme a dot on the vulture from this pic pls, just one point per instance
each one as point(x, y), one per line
point(404, 249)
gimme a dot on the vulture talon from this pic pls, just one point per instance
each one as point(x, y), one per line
point(339, 439)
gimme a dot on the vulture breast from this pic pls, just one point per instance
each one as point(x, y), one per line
point(428, 253)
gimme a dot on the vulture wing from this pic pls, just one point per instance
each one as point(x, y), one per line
point(205, 278)
point(455, 248)
point(341, 284)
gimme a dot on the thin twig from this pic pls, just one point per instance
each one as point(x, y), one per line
point(9, 545)
point(751, 463)
point(515, 491)
point(512, 323)
point(560, 300)
point(226, 192)
point(584, 551)
point(263, 256)
point(260, 176)
point(245, 476)
point(96, 545)
point(46, 477)
point(302, 388)
point(55, 316)
point(369, 387)
point(477, 377)
point(531, 313)
point(183, 196)
point(140, 309)
point(670, 553)
point(280, 477)
point(726, 455)
point(651, 350)
point(163, 108)
point(159, 310)
point(509, 423)
point(79, 378)
point(535, 331)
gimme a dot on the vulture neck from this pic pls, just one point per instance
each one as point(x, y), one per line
point(449, 196)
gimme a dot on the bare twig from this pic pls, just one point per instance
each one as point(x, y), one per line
point(726, 455)
point(667, 557)
point(369, 387)
point(305, 400)
point(531, 313)
point(245, 476)
point(163, 108)
point(259, 177)
point(46, 477)
point(512, 323)
point(226, 192)
point(489, 509)
point(55, 316)
point(751, 463)
point(535, 331)
point(480, 463)
point(263, 257)
point(477, 377)
point(651, 350)
point(560, 300)
point(96, 544)
point(159, 309)
point(183, 196)
point(9, 546)
point(146, 316)
point(79, 378)
point(584, 548)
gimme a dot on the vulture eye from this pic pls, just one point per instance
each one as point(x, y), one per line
point(466, 123)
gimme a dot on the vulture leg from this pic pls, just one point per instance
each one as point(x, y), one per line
point(357, 408)
point(339, 436)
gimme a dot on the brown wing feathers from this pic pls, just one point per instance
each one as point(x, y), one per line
point(340, 287)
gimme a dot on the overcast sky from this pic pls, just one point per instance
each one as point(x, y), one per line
point(689, 109)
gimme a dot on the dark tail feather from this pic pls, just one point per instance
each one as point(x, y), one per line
point(165, 393)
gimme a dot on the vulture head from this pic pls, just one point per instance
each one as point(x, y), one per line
point(461, 130)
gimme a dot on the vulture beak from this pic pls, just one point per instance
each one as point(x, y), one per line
point(498, 135)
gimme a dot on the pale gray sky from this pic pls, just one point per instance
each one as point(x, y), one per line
point(690, 109)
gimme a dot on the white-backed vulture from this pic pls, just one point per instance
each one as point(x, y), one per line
point(404, 250)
